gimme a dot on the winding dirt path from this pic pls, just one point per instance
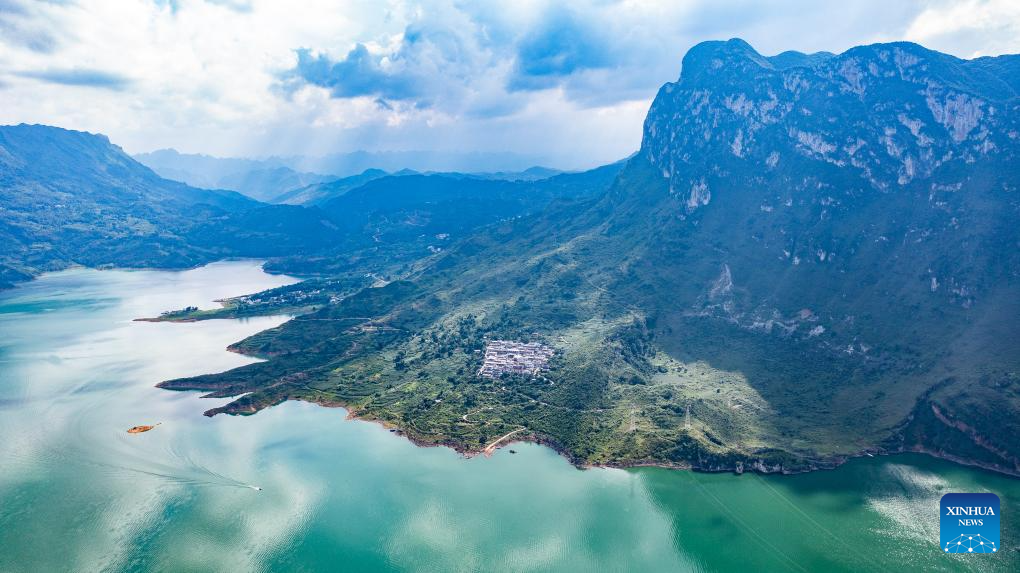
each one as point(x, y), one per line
point(495, 443)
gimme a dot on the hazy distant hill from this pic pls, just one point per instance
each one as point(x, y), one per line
point(346, 164)
point(290, 173)
point(810, 257)
point(268, 184)
point(319, 193)
point(262, 180)
point(70, 197)
point(316, 193)
point(199, 170)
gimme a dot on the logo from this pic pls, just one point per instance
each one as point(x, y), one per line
point(969, 523)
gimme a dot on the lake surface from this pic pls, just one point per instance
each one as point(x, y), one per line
point(77, 493)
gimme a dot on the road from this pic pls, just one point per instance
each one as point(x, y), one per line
point(495, 443)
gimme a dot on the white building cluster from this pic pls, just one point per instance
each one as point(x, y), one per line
point(514, 357)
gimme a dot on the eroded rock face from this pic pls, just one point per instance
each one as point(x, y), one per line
point(892, 113)
point(836, 165)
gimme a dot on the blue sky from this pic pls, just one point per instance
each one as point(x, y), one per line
point(566, 82)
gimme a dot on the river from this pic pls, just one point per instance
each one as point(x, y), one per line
point(77, 493)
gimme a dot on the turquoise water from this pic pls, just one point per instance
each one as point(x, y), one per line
point(77, 493)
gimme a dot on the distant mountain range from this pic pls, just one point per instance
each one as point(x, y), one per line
point(812, 256)
point(71, 197)
point(279, 179)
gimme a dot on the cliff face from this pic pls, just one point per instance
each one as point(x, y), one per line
point(893, 115)
point(849, 198)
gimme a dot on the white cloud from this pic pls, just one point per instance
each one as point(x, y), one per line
point(969, 28)
point(205, 76)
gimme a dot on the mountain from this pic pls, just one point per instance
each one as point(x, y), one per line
point(268, 184)
point(199, 170)
point(454, 204)
point(388, 223)
point(321, 192)
point(216, 172)
point(258, 179)
point(71, 197)
point(534, 173)
point(811, 257)
point(316, 193)
point(347, 164)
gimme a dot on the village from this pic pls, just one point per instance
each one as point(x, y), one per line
point(506, 356)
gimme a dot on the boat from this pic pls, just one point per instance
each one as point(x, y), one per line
point(141, 429)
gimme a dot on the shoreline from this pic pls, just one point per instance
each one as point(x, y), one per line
point(34, 274)
point(822, 464)
point(748, 464)
point(758, 467)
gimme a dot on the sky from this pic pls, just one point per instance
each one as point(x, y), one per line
point(565, 82)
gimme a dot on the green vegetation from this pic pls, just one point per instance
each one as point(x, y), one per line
point(300, 298)
point(74, 198)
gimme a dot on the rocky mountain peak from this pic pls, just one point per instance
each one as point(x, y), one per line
point(894, 114)
point(710, 60)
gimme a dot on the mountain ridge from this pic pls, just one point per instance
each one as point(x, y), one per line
point(72, 197)
point(207, 170)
